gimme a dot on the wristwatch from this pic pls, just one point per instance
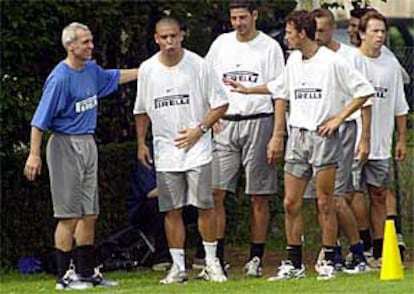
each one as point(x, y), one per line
point(203, 128)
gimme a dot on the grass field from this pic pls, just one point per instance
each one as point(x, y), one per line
point(147, 282)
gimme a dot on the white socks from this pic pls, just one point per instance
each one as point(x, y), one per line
point(211, 249)
point(178, 258)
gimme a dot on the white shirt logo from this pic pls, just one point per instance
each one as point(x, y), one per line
point(86, 104)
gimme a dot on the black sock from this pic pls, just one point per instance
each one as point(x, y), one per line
point(377, 248)
point(295, 255)
point(200, 253)
point(329, 253)
point(220, 250)
point(357, 250)
point(366, 239)
point(256, 249)
point(62, 262)
point(397, 223)
point(85, 260)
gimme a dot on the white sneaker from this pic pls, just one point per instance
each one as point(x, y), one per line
point(358, 268)
point(70, 281)
point(213, 272)
point(287, 271)
point(326, 271)
point(98, 279)
point(374, 263)
point(174, 276)
point(253, 268)
point(319, 259)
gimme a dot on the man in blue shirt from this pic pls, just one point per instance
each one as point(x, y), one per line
point(68, 108)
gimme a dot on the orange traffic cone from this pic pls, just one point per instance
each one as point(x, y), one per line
point(391, 266)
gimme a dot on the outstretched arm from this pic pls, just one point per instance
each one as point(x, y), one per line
point(239, 88)
point(128, 75)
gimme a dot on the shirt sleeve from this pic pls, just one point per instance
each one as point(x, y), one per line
point(351, 81)
point(108, 81)
point(213, 86)
point(279, 86)
point(139, 107)
point(401, 105)
point(52, 101)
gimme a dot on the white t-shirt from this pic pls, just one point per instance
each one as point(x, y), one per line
point(316, 87)
point(389, 101)
point(405, 75)
point(349, 54)
point(251, 63)
point(175, 98)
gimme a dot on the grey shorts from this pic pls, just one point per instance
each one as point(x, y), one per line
point(373, 172)
point(307, 153)
point(73, 170)
point(179, 189)
point(347, 133)
point(243, 144)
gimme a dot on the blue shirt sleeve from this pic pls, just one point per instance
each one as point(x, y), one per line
point(52, 101)
point(108, 80)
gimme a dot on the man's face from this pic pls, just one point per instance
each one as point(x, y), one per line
point(324, 30)
point(353, 27)
point(243, 21)
point(82, 47)
point(292, 36)
point(169, 38)
point(375, 33)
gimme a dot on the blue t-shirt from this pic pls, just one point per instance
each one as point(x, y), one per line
point(70, 98)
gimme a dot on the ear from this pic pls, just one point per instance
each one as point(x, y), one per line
point(302, 34)
point(156, 38)
point(362, 35)
point(182, 34)
point(255, 14)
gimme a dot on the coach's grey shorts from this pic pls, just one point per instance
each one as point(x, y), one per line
point(244, 144)
point(73, 172)
point(347, 133)
point(179, 189)
point(307, 152)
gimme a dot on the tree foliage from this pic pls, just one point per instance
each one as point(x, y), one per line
point(123, 37)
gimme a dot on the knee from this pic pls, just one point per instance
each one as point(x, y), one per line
point(378, 195)
point(325, 205)
point(291, 206)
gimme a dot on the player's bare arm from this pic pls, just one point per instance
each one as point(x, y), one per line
point(239, 88)
point(189, 136)
point(275, 147)
point(328, 127)
point(143, 154)
point(400, 147)
point(364, 144)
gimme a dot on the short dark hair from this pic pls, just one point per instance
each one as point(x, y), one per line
point(167, 20)
point(371, 15)
point(303, 20)
point(360, 12)
point(322, 12)
point(249, 5)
